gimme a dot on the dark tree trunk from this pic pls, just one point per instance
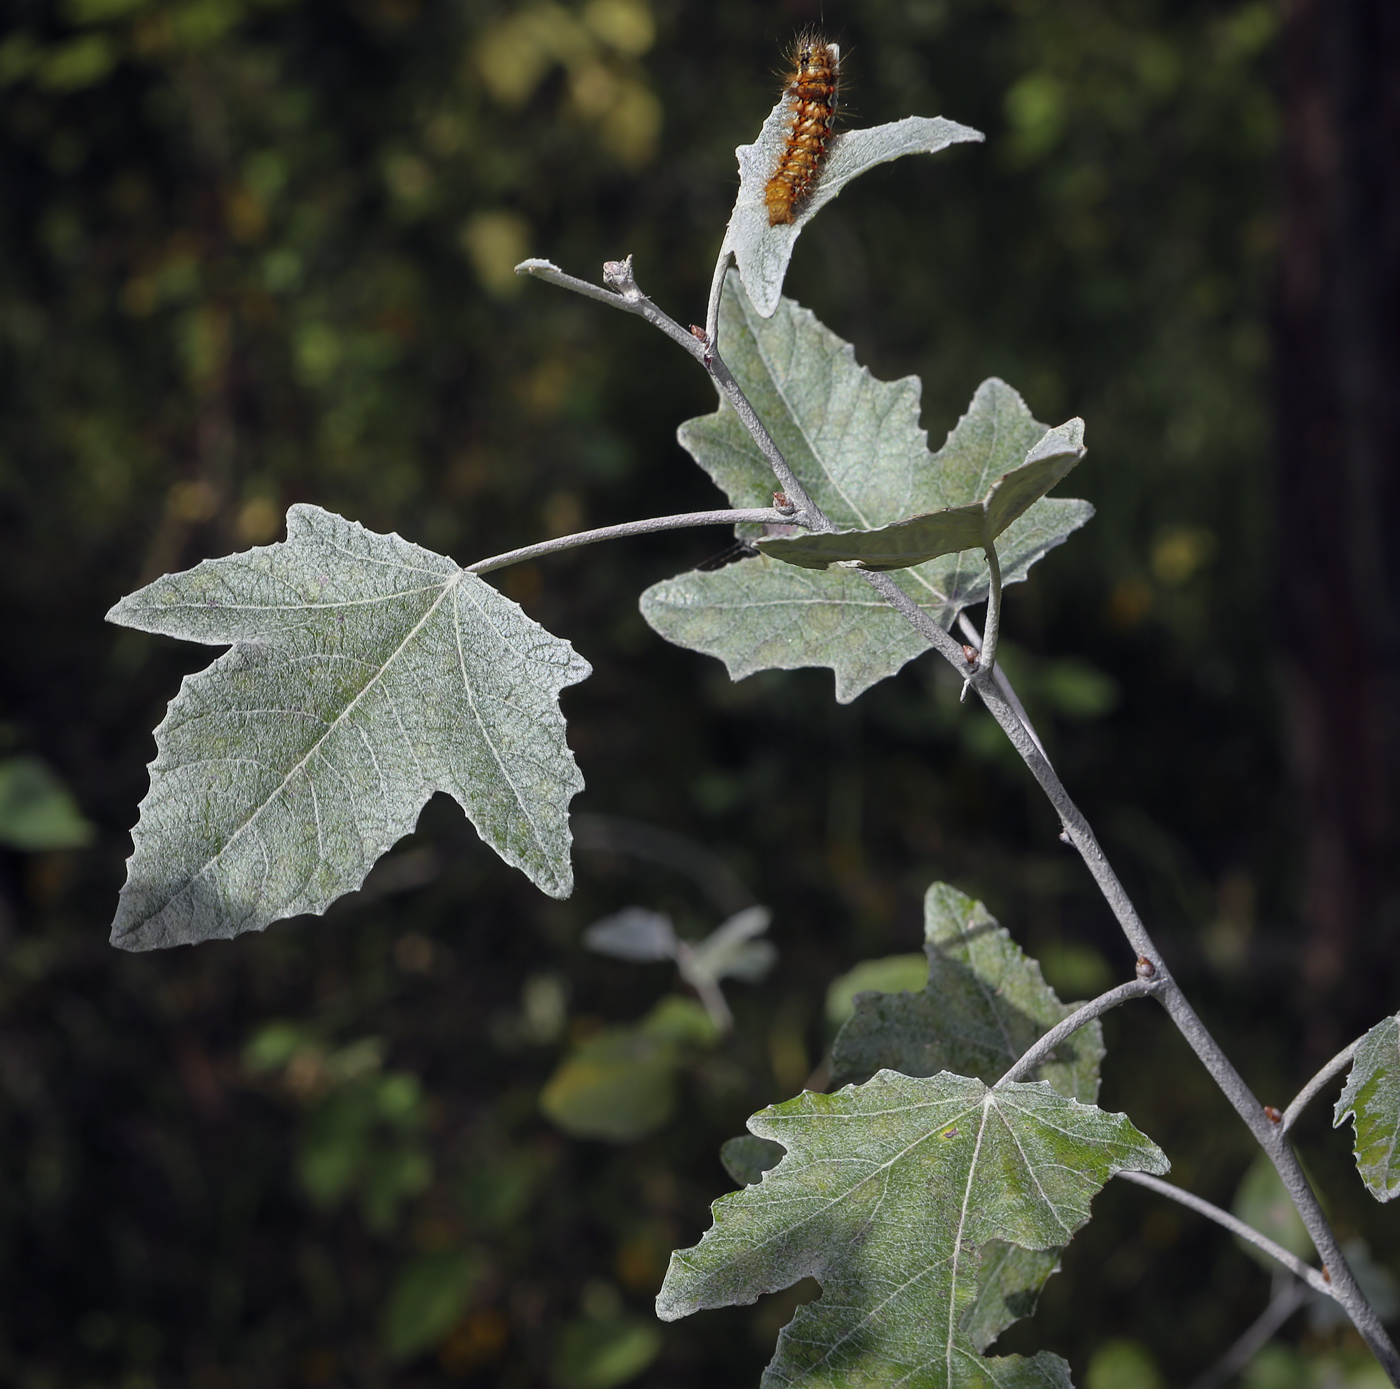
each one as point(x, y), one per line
point(1337, 354)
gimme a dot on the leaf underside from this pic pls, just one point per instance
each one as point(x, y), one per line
point(1371, 1099)
point(984, 1005)
point(762, 252)
point(855, 443)
point(364, 674)
point(893, 1195)
point(918, 539)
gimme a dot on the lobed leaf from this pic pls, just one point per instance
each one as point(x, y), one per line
point(855, 443)
point(918, 539)
point(364, 674)
point(984, 1004)
point(762, 252)
point(1371, 1099)
point(889, 1195)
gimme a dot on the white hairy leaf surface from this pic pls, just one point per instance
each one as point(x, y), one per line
point(855, 443)
point(364, 674)
point(762, 252)
point(1371, 1099)
point(918, 539)
point(889, 1195)
point(984, 1005)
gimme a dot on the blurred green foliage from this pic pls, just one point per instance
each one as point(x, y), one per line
point(620, 1083)
point(259, 251)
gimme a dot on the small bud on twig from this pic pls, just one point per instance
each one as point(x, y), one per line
point(1145, 968)
point(697, 332)
point(969, 654)
point(782, 505)
point(1064, 837)
point(617, 275)
point(1274, 1116)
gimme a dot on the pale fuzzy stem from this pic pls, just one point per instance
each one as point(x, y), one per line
point(627, 528)
point(992, 628)
point(1311, 1276)
point(1309, 1092)
point(1044, 1046)
point(716, 294)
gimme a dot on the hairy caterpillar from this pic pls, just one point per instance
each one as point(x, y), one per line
point(811, 93)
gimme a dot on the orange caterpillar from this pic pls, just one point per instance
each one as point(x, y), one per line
point(811, 92)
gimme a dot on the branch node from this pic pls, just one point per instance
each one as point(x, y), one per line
point(781, 503)
point(1145, 968)
point(1274, 1116)
point(1064, 837)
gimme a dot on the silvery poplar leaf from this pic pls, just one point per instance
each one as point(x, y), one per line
point(761, 251)
point(918, 539)
point(363, 674)
point(1371, 1100)
point(985, 1003)
point(889, 1194)
point(855, 443)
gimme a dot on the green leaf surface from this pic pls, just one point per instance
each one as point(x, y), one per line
point(364, 674)
point(427, 1299)
point(762, 252)
point(918, 539)
point(856, 444)
point(888, 1194)
point(1008, 1285)
point(888, 974)
point(602, 1353)
point(37, 811)
point(984, 1004)
point(621, 1084)
point(1371, 1099)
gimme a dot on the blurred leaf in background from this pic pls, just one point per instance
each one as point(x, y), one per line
point(37, 811)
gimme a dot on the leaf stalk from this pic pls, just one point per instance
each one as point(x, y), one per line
point(1311, 1276)
point(1319, 1082)
point(648, 526)
point(1043, 1048)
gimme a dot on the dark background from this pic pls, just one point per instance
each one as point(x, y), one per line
point(257, 251)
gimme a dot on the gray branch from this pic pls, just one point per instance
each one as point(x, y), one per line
point(1266, 1126)
point(623, 293)
point(647, 526)
point(1309, 1092)
point(1311, 1276)
point(1044, 1046)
